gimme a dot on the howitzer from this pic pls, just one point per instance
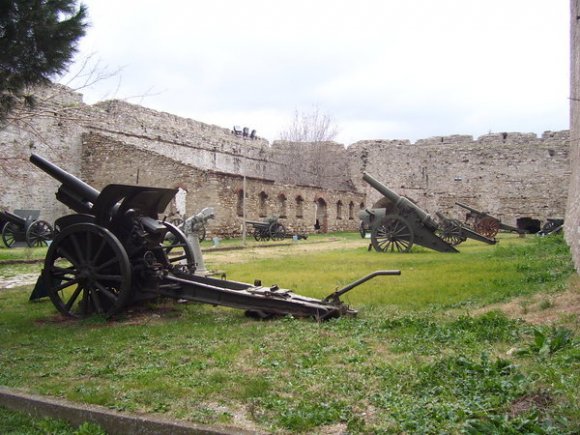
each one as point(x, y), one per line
point(24, 226)
point(486, 224)
point(113, 254)
point(397, 227)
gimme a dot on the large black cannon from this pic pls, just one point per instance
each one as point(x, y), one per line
point(113, 253)
point(398, 223)
point(23, 226)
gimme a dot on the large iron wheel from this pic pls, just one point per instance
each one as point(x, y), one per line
point(38, 233)
point(9, 234)
point(393, 234)
point(87, 271)
point(451, 232)
point(277, 231)
point(487, 226)
point(178, 248)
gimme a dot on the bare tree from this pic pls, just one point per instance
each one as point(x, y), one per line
point(315, 126)
point(308, 143)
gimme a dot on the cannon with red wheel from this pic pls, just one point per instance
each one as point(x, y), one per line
point(485, 224)
point(114, 253)
point(396, 223)
point(23, 228)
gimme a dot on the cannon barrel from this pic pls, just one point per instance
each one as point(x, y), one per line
point(13, 218)
point(471, 209)
point(400, 202)
point(74, 193)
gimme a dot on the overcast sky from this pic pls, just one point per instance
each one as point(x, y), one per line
point(382, 69)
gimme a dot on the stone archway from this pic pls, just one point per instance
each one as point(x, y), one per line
point(320, 216)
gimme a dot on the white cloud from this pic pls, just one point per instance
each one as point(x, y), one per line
point(382, 68)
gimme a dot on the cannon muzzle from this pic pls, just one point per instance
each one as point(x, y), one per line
point(73, 192)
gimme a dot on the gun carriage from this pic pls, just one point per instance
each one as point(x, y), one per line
point(552, 226)
point(485, 224)
point(112, 254)
point(268, 229)
point(23, 226)
point(196, 223)
point(398, 223)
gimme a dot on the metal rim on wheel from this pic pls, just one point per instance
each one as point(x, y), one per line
point(38, 233)
point(488, 227)
point(393, 234)
point(87, 271)
point(179, 248)
point(451, 232)
point(9, 234)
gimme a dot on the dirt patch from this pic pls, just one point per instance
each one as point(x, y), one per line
point(539, 401)
point(543, 308)
point(18, 281)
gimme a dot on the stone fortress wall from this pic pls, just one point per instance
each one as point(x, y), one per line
point(572, 223)
point(510, 175)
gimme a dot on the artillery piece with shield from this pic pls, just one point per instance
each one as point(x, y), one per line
point(397, 223)
point(24, 227)
point(485, 224)
point(268, 229)
point(112, 254)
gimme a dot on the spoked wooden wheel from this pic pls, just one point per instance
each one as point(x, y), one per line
point(87, 271)
point(393, 234)
point(178, 249)
point(9, 234)
point(487, 226)
point(451, 232)
point(38, 233)
point(277, 231)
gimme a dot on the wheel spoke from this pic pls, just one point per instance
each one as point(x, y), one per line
point(66, 284)
point(73, 298)
point(96, 301)
point(109, 294)
point(77, 248)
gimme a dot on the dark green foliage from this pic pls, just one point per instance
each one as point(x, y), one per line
point(37, 41)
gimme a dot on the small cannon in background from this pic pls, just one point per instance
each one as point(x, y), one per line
point(112, 254)
point(272, 229)
point(196, 223)
point(24, 226)
point(401, 223)
point(268, 229)
point(487, 225)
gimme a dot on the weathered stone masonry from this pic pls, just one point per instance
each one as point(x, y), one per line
point(510, 175)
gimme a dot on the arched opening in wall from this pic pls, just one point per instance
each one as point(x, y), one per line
point(351, 211)
point(361, 206)
point(282, 205)
point(240, 202)
point(299, 207)
point(321, 216)
point(339, 209)
point(263, 204)
point(176, 210)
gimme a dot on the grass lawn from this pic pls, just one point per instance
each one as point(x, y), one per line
point(484, 341)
